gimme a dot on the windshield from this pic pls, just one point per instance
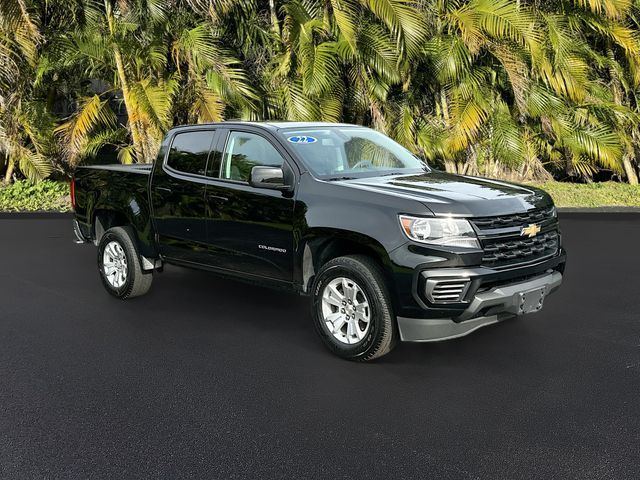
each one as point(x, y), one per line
point(351, 152)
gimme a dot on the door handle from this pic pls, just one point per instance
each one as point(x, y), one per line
point(164, 189)
point(211, 196)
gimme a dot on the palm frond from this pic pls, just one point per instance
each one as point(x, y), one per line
point(344, 13)
point(376, 49)
point(93, 112)
point(320, 69)
point(597, 144)
point(196, 48)
point(402, 19)
point(498, 20)
point(127, 155)
point(431, 138)
point(541, 102)
point(153, 101)
point(33, 165)
point(208, 106)
point(21, 28)
point(610, 8)
point(450, 57)
point(468, 117)
point(506, 137)
point(98, 140)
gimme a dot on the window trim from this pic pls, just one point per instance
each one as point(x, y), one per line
point(179, 174)
point(221, 134)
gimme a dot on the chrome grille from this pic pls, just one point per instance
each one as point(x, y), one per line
point(446, 291)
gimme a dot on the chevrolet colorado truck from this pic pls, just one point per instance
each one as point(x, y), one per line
point(388, 248)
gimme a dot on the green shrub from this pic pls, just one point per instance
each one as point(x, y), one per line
point(47, 195)
point(602, 194)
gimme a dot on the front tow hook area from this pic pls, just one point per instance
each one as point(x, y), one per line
point(517, 298)
point(504, 302)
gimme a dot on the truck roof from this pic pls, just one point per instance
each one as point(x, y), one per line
point(273, 124)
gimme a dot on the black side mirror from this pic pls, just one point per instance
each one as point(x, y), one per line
point(268, 177)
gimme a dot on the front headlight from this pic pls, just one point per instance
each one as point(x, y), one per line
point(454, 232)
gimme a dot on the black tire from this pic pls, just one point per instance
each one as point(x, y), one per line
point(382, 334)
point(138, 282)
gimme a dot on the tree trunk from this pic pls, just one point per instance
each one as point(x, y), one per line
point(569, 169)
point(275, 25)
point(9, 173)
point(136, 135)
point(450, 166)
point(632, 176)
point(618, 98)
point(126, 96)
point(445, 106)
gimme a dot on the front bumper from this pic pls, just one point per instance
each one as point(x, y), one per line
point(485, 308)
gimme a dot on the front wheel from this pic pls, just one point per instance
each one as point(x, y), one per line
point(352, 309)
point(119, 265)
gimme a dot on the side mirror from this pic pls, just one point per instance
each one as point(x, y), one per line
point(271, 178)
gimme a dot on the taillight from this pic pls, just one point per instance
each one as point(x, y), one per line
point(72, 192)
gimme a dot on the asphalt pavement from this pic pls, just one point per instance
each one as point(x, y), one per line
point(213, 379)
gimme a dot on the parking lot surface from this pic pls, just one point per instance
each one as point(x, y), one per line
point(213, 379)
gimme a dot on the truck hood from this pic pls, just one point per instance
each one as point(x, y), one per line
point(447, 194)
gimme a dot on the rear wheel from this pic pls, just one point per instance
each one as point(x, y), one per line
point(352, 309)
point(119, 264)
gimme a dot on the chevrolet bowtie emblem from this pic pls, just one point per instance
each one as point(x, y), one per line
point(531, 231)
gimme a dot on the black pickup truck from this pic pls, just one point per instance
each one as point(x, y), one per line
point(388, 248)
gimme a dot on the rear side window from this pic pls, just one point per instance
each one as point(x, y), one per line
point(189, 152)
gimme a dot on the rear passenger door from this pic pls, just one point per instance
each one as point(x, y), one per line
point(249, 229)
point(178, 196)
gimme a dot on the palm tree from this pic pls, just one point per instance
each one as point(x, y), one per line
point(595, 54)
point(335, 60)
point(516, 88)
point(506, 88)
point(25, 126)
point(117, 42)
point(164, 69)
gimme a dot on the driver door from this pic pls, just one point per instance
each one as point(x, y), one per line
point(250, 230)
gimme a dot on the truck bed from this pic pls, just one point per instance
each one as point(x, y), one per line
point(118, 194)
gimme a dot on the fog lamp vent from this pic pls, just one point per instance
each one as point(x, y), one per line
point(447, 291)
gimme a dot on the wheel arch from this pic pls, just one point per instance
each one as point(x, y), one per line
point(323, 245)
point(104, 218)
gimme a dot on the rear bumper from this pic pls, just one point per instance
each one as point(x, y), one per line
point(486, 308)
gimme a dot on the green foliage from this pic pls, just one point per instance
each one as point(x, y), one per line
point(23, 196)
point(51, 195)
point(603, 194)
point(514, 89)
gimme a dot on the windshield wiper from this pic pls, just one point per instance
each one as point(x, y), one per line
point(333, 179)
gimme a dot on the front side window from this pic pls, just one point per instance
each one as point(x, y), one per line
point(189, 152)
point(245, 151)
point(340, 152)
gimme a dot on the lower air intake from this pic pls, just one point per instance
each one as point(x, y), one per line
point(446, 291)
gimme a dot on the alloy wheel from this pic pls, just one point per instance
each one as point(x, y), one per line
point(345, 310)
point(114, 263)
